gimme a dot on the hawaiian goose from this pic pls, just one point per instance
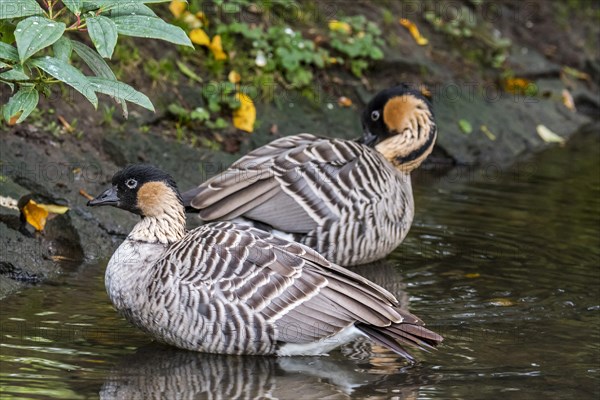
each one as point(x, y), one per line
point(227, 288)
point(349, 200)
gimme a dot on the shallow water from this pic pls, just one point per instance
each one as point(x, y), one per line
point(502, 262)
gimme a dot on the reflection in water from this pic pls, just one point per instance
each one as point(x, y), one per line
point(160, 372)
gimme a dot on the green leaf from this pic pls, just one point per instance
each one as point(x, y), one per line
point(465, 126)
point(187, 71)
point(24, 102)
point(19, 8)
point(120, 90)
point(35, 33)
point(132, 9)
point(103, 33)
point(68, 74)
point(93, 60)
point(63, 49)
point(8, 52)
point(15, 74)
point(98, 66)
point(74, 5)
point(148, 27)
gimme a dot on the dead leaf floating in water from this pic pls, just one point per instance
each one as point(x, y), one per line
point(414, 31)
point(502, 302)
point(548, 136)
point(37, 215)
point(245, 116)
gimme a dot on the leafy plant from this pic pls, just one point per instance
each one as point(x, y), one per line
point(357, 39)
point(477, 38)
point(46, 39)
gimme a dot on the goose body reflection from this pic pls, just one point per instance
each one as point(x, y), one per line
point(160, 372)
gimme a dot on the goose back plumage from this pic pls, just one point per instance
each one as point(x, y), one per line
point(338, 197)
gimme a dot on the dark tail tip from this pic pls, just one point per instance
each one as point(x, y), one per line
point(396, 335)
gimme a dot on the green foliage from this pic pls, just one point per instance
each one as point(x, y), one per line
point(360, 44)
point(472, 34)
point(45, 39)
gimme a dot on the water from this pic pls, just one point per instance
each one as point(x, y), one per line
point(502, 262)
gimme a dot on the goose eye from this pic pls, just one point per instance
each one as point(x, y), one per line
point(375, 115)
point(131, 183)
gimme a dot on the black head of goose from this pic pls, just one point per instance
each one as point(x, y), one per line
point(229, 288)
point(349, 200)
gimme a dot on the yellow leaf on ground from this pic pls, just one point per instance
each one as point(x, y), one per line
point(177, 7)
point(245, 116)
point(567, 100)
point(191, 20)
point(234, 77)
point(202, 17)
point(217, 48)
point(487, 132)
point(414, 31)
point(548, 136)
point(472, 275)
point(517, 85)
point(35, 215)
point(344, 101)
point(54, 209)
point(198, 36)
point(339, 26)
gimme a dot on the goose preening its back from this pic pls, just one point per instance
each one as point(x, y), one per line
point(349, 200)
point(231, 288)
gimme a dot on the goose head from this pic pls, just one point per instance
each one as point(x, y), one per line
point(399, 123)
point(142, 189)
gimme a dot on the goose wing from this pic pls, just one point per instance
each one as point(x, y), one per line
point(260, 288)
point(293, 184)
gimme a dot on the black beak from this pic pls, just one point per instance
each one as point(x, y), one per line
point(107, 198)
point(368, 139)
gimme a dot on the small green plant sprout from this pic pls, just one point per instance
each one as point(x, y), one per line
point(38, 41)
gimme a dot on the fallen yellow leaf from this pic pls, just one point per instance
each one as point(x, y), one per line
point(234, 77)
point(245, 116)
point(202, 17)
point(35, 215)
point(177, 7)
point(217, 48)
point(339, 26)
point(198, 36)
point(502, 302)
point(414, 31)
point(53, 208)
point(487, 132)
point(344, 102)
point(472, 275)
point(191, 20)
point(567, 100)
point(516, 85)
point(548, 136)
